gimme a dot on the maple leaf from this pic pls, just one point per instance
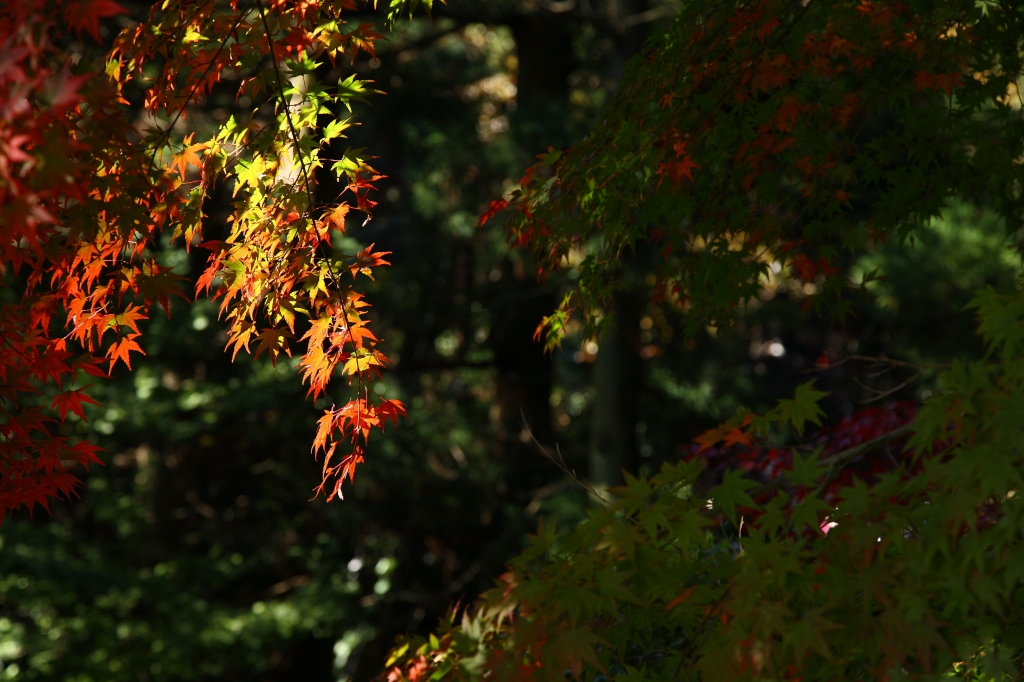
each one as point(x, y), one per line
point(273, 341)
point(316, 367)
point(130, 318)
point(120, 349)
point(250, 172)
point(336, 217)
point(683, 167)
point(240, 336)
point(85, 15)
point(325, 425)
point(72, 401)
point(731, 493)
point(347, 470)
point(738, 436)
point(84, 453)
point(390, 410)
point(802, 407)
point(335, 129)
point(90, 365)
point(362, 360)
point(364, 261)
point(62, 94)
point(709, 438)
point(357, 333)
point(494, 207)
point(188, 156)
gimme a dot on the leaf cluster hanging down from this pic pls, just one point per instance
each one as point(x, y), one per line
point(86, 191)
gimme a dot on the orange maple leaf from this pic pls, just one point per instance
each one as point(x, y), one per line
point(119, 350)
point(188, 156)
point(390, 410)
point(324, 427)
point(337, 216)
point(738, 436)
point(364, 261)
point(709, 438)
point(273, 341)
point(357, 333)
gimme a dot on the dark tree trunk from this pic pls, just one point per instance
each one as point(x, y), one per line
point(617, 380)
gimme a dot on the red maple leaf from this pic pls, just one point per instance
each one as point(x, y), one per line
point(72, 401)
point(85, 15)
point(494, 207)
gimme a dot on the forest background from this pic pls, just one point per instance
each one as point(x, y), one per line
point(194, 553)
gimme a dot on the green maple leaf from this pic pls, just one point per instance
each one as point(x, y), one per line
point(351, 90)
point(335, 128)
point(250, 172)
point(806, 470)
point(732, 493)
point(810, 513)
point(801, 408)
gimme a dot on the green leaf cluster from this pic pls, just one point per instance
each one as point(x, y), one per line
point(751, 133)
point(921, 577)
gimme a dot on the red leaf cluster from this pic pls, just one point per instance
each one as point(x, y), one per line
point(85, 194)
point(739, 449)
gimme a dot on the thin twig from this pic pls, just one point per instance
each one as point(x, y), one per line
point(560, 463)
point(703, 634)
point(878, 360)
point(882, 360)
point(651, 15)
point(165, 135)
point(887, 392)
point(837, 462)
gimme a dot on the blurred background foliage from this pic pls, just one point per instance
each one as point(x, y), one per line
point(195, 553)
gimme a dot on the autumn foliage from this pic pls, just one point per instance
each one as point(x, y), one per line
point(94, 181)
point(764, 130)
point(750, 133)
point(885, 547)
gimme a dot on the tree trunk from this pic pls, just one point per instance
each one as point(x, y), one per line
point(617, 382)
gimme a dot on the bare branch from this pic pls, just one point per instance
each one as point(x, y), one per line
point(651, 15)
point(560, 463)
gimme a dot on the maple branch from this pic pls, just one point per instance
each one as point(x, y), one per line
point(838, 461)
point(426, 41)
point(879, 394)
point(882, 360)
point(176, 33)
point(560, 463)
point(287, 111)
point(494, 550)
point(165, 135)
point(888, 364)
point(703, 633)
point(650, 15)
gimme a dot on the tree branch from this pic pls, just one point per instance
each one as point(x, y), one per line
point(837, 462)
point(286, 110)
